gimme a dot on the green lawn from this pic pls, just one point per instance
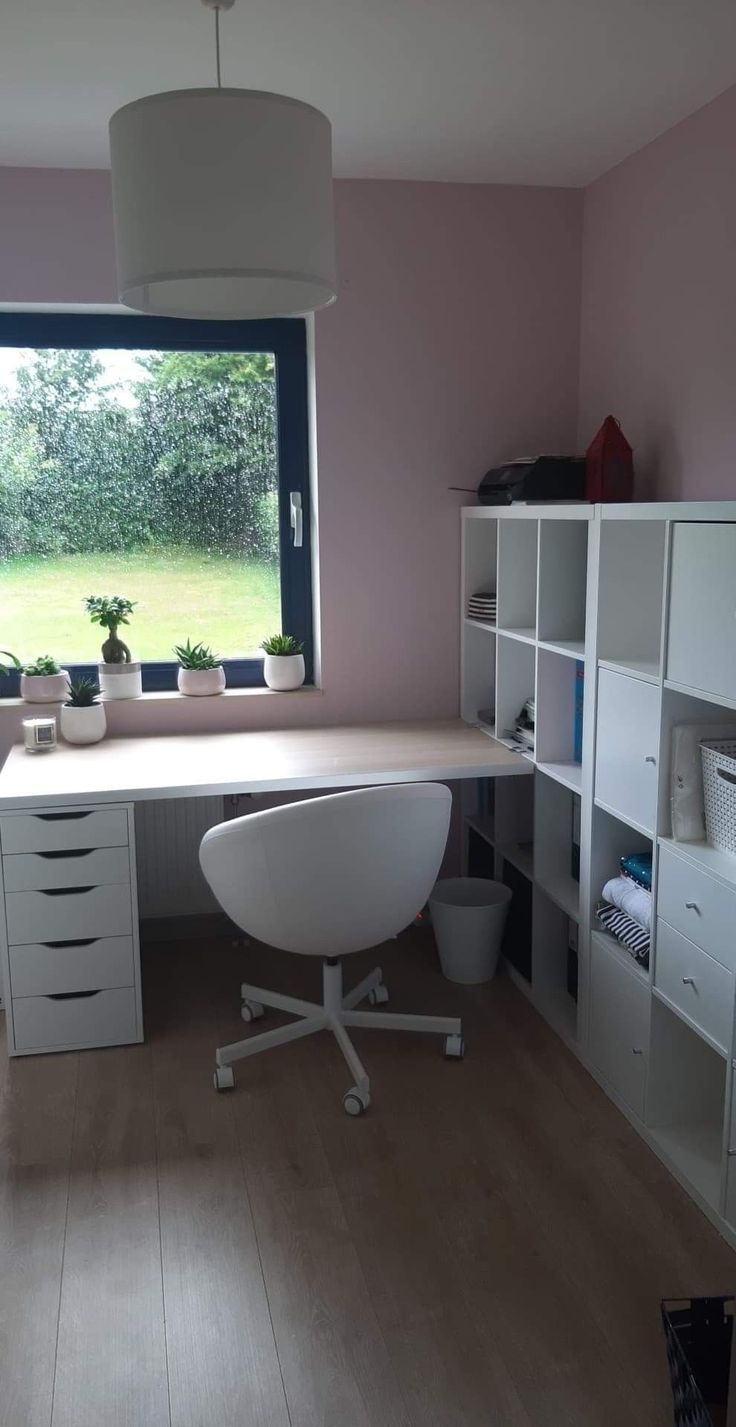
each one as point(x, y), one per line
point(231, 604)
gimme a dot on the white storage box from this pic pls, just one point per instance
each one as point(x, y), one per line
point(719, 792)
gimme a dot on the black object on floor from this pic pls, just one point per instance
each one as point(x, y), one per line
point(698, 1332)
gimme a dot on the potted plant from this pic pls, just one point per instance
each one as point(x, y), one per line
point(120, 676)
point(283, 666)
point(42, 682)
point(200, 671)
point(83, 718)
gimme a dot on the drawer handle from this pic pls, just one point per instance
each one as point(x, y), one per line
point(730, 1152)
point(71, 995)
point(85, 941)
point(60, 817)
point(692, 907)
point(64, 891)
point(688, 981)
point(636, 1050)
point(650, 759)
point(70, 852)
point(727, 777)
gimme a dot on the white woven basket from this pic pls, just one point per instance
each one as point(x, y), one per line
point(719, 792)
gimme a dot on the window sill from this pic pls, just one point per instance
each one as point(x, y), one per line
point(169, 696)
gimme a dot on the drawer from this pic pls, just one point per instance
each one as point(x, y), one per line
point(695, 984)
point(701, 651)
point(627, 747)
point(58, 831)
point(96, 1018)
point(68, 914)
point(93, 965)
point(619, 1024)
point(31, 871)
point(695, 904)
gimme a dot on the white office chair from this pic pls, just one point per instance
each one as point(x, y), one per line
point(326, 878)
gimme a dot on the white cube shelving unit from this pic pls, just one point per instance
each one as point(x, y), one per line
point(642, 599)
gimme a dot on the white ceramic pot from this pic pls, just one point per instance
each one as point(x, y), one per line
point(283, 671)
point(44, 688)
point(120, 681)
point(200, 682)
point(86, 725)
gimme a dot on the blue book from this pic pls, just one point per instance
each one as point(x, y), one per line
point(579, 702)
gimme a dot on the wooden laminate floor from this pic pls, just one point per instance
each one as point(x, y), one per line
point(488, 1246)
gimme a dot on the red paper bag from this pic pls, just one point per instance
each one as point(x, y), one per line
point(609, 465)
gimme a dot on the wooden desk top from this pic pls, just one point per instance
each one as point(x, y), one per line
point(185, 766)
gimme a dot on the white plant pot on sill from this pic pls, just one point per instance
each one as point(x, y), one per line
point(198, 683)
point(283, 671)
point(44, 688)
point(83, 725)
point(120, 681)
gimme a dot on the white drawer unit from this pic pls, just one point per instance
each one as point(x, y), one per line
point(619, 1024)
point(85, 1019)
point(67, 913)
point(58, 831)
point(37, 871)
point(695, 985)
point(698, 906)
point(95, 964)
point(730, 1208)
point(701, 646)
point(69, 929)
point(627, 747)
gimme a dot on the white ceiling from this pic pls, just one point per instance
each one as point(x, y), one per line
point(518, 91)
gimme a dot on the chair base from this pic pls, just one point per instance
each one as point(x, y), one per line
point(335, 1014)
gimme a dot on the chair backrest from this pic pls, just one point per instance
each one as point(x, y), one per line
point(332, 875)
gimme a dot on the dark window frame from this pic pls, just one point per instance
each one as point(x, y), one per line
point(287, 339)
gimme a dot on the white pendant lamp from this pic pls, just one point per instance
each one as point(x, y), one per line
point(222, 202)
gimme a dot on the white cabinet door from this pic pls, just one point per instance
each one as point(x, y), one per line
point(627, 747)
point(619, 1024)
point(701, 646)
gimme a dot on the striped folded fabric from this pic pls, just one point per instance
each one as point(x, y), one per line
point(631, 935)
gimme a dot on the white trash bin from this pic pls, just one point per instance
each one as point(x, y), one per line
point(469, 916)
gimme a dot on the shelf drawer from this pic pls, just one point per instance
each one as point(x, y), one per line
point(619, 1025)
point(627, 747)
point(695, 904)
point(68, 914)
point(59, 831)
point(98, 1018)
point(47, 968)
point(34, 871)
point(694, 984)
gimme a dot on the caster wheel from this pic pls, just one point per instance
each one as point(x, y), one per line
point(378, 995)
point(454, 1047)
point(224, 1078)
point(251, 1010)
point(355, 1101)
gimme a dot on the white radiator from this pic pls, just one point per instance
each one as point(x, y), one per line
point(168, 834)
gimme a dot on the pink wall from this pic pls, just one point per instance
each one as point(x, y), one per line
point(658, 337)
point(453, 345)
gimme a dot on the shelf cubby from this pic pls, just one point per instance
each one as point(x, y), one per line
point(556, 817)
point(686, 1102)
point(558, 690)
point(515, 681)
point(514, 822)
point(479, 558)
point(552, 972)
point(612, 839)
point(517, 577)
point(561, 597)
point(479, 673)
point(516, 947)
point(713, 721)
point(631, 592)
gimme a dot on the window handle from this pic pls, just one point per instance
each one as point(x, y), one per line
point(296, 517)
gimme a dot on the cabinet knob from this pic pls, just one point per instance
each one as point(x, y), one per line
point(650, 759)
point(688, 981)
point(636, 1050)
point(692, 907)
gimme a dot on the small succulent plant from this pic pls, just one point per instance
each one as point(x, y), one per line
point(83, 693)
point(282, 644)
point(13, 666)
point(111, 611)
point(42, 666)
point(196, 656)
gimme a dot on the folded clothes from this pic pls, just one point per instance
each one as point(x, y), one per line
point(631, 898)
point(638, 866)
point(625, 930)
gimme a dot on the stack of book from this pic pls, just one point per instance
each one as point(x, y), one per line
point(483, 606)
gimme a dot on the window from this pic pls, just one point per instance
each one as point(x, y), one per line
point(155, 459)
